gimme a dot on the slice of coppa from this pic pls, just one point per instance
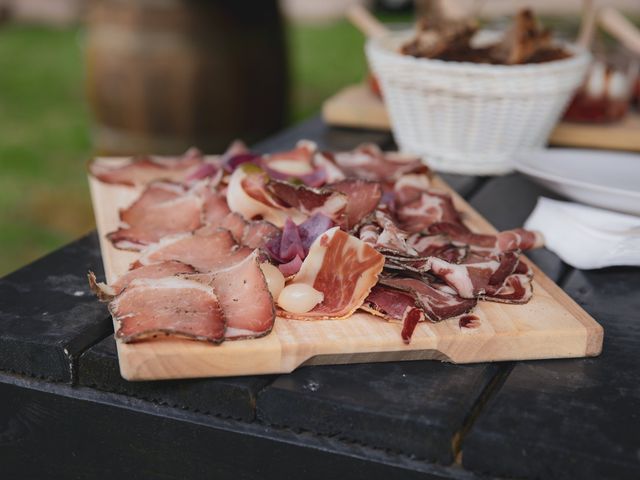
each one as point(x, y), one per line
point(170, 306)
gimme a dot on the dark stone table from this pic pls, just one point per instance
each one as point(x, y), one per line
point(65, 412)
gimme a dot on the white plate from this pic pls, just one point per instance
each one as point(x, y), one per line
point(597, 177)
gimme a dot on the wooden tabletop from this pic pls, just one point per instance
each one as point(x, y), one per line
point(67, 413)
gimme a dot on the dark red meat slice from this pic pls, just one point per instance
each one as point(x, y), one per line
point(362, 198)
point(389, 303)
point(436, 304)
point(517, 288)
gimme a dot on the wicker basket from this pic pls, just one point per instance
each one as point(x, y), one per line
point(471, 118)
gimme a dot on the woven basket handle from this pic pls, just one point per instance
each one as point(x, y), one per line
point(365, 22)
point(622, 29)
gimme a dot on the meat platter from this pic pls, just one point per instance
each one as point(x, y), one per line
point(244, 264)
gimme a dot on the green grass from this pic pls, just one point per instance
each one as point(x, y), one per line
point(44, 143)
point(44, 126)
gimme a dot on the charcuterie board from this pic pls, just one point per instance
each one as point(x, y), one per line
point(356, 106)
point(551, 325)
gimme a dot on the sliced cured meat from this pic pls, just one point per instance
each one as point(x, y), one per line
point(437, 246)
point(519, 239)
point(308, 200)
point(362, 198)
point(389, 303)
point(165, 269)
point(369, 162)
point(369, 233)
point(245, 299)
point(155, 193)
point(509, 240)
point(425, 210)
point(332, 172)
point(436, 304)
point(517, 288)
point(257, 233)
point(214, 208)
point(392, 238)
point(206, 251)
point(154, 221)
point(143, 170)
point(170, 306)
point(247, 196)
point(409, 187)
point(296, 165)
point(235, 223)
point(469, 280)
point(341, 267)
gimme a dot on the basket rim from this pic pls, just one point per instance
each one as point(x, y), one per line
point(375, 46)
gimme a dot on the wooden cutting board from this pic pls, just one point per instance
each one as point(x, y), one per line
point(551, 325)
point(356, 106)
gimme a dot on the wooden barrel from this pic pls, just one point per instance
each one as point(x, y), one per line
point(163, 75)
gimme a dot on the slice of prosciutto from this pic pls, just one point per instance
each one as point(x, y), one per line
point(509, 240)
point(517, 288)
point(143, 170)
point(106, 292)
point(204, 250)
point(362, 198)
point(368, 161)
point(436, 303)
point(170, 306)
point(428, 208)
point(245, 299)
point(341, 267)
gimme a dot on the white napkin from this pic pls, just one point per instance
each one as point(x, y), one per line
point(587, 237)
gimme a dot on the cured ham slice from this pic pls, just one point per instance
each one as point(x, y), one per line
point(341, 267)
point(517, 288)
point(429, 208)
point(436, 246)
point(245, 299)
point(165, 269)
point(436, 304)
point(509, 240)
point(392, 238)
point(477, 278)
point(308, 200)
point(206, 251)
point(170, 306)
point(362, 198)
point(390, 303)
point(149, 221)
point(143, 170)
point(369, 162)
